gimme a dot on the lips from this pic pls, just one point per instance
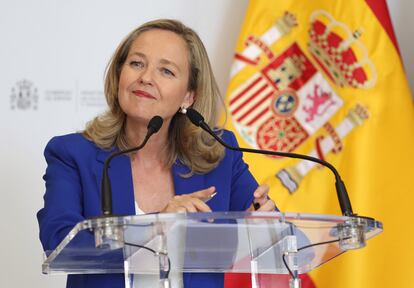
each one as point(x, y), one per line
point(143, 94)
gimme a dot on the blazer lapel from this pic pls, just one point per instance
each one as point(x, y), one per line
point(121, 182)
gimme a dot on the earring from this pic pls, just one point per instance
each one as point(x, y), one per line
point(183, 110)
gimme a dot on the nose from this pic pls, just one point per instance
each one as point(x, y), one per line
point(146, 77)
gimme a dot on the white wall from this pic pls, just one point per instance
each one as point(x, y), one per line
point(62, 47)
point(402, 17)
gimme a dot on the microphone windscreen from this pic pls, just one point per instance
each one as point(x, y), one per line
point(194, 117)
point(155, 124)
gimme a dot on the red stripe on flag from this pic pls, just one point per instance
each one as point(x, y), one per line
point(255, 106)
point(380, 9)
point(245, 59)
point(245, 90)
point(258, 116)
point(243, 280)
point(250, 98)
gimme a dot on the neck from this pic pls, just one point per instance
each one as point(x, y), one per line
point(156, 148)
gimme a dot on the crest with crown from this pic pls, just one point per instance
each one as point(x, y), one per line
point(340, 53)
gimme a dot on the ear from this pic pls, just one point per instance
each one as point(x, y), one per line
point(188, 99)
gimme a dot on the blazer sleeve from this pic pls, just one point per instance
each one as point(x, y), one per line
point(62, 200)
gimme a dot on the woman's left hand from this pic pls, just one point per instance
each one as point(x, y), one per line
point(261, 197)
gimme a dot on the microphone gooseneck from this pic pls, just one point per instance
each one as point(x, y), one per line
point(343, 198)
point(153, 127)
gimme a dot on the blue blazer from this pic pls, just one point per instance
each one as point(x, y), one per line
point(73, 178)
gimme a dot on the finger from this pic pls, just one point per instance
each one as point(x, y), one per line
point(204, 194)
point(268, 206)
point(251, 208)
point(181, 210)
point(260, 201)
point(174, 207)
point(194, 205)
point(176, 204)
point(261, 191)
point(200, 205)
point(188, 205)
point(255, 206)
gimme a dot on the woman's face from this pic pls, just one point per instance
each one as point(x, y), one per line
point(154, 77)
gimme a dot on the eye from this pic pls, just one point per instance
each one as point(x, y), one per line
point(167, 72)
point(137, 64)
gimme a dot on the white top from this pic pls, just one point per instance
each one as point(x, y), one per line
point(138, 210)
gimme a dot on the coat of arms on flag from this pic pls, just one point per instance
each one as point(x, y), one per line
point(290, 98)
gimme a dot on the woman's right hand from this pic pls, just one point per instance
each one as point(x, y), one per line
point(193, 202)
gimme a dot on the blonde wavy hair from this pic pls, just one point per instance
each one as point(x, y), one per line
point(187, 143)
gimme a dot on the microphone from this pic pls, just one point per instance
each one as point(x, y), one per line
point(343, 198)
point(153, 126)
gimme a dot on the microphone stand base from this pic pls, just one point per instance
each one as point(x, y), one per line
point(109, 235)
point(352, 233)
point(295, 283)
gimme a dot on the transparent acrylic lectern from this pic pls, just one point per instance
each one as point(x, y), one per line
point(163, 246)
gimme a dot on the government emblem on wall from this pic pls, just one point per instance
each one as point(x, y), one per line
point(24, 96)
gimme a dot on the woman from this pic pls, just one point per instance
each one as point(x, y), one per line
point(160, 68)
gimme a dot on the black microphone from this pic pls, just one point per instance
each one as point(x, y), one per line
point(153, 126)
point(343, 198)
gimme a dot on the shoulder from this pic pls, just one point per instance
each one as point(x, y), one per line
point(230, 139)
point(70, 145)
point(227, 136)
point(230, 155)
point(70, 140)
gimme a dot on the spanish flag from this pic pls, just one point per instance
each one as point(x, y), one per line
point(325, 78)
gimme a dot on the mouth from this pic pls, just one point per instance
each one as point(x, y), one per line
point(143, 94)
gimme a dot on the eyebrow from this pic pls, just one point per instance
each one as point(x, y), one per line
point(162, 61)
